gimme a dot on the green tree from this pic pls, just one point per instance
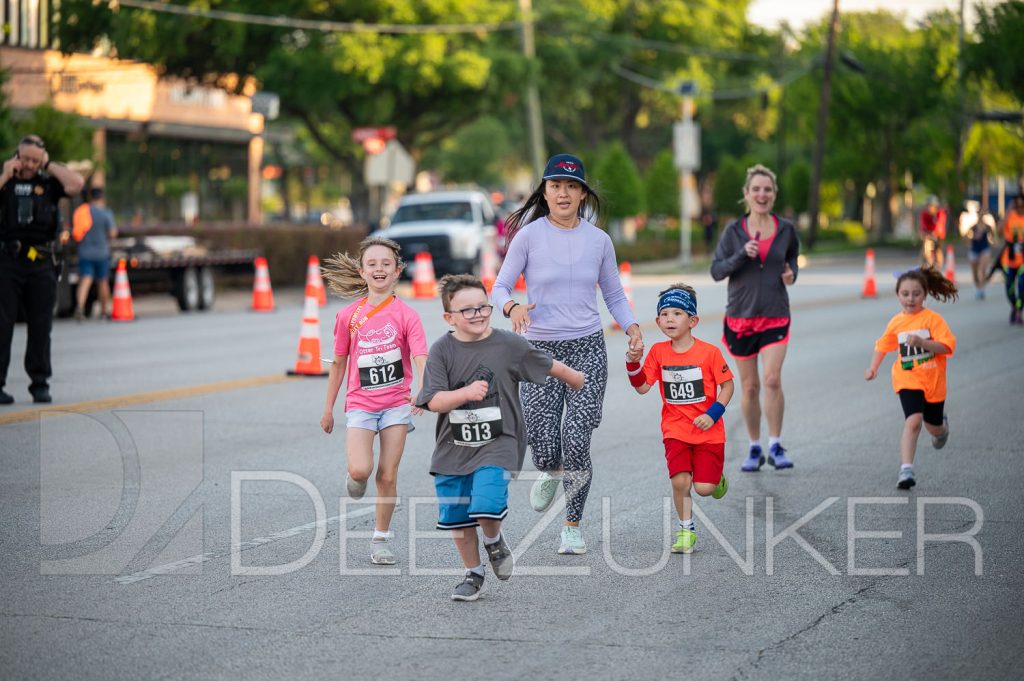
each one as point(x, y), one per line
point(67, 139)
point(661, 186)
point(795, 185)
point(478, 153)
point(998, 51)
point(618, 183)
point(730, 175)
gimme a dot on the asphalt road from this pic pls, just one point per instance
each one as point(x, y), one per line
point(178, 513)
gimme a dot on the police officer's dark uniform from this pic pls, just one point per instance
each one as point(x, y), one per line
point(29, 224)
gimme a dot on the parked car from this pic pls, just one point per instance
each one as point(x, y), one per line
point(452, 226)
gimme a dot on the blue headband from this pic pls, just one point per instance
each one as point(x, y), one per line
point(678, 298)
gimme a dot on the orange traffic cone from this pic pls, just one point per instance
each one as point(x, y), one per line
point(123, 310)
point(424, 284)
point(950, 272)
point(262, 294)
point(316, 280)
point(488, 265)
point(870, 289)
point(308, 361)
point(626, 277)
point(521, 283)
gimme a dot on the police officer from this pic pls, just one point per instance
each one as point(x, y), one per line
point(30, 224)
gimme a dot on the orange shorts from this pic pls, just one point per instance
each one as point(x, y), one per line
point(704, 461)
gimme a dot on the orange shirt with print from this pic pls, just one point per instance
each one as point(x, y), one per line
point(689, 385)
point(917, 368)
point(1013, 233)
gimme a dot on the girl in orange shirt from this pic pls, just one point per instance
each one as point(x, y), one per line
point(1011, 259)
point(924, 341)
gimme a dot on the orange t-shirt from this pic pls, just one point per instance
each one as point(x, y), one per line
point(917, 368)
point(689, 384)
point(1014, 235)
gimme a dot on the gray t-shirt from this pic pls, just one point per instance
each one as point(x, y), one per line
point(95, 245)
point(490, 432)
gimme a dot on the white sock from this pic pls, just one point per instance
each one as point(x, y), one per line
point(772, 441)
point(906, 466)
point(381, 536)
point(478, 570)
point(687, 524)
point(490, 540)
point(755, 443)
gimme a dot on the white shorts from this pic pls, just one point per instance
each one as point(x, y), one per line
point(379, 420)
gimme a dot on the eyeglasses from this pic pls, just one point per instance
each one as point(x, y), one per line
point(34, 141)
point(474, 312)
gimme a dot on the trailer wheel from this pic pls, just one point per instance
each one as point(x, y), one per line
point(207, 288)
point(186, 289)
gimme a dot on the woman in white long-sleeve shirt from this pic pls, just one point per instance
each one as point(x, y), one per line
point(564, 257)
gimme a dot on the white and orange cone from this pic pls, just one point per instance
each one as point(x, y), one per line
point(123, 310)
point(307, 363)
point(424, 283)
point(870, 289)
point(262, 293)
point(316, 280)
point(488, 265)
point(950, 272)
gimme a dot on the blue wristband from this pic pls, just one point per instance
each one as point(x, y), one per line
point(715, 411)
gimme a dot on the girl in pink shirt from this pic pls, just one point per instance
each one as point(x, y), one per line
point(378, 342)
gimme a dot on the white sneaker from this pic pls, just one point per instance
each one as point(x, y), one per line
point(542, 494)
point(380, 553)
point(355, 489)
point(572, 541)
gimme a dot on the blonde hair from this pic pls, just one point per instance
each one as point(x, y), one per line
point(752, 172)
point(341, 270)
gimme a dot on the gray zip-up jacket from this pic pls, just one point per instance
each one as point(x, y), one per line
point(755, 288)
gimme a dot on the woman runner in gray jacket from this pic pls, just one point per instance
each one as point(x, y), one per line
point(758, 253)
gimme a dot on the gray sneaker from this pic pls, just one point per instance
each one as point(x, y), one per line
point(543, 491)
point(380, 553)
point(355, 489)
point(939, 441)
point(502, 561)
point(470, 588)
point(906, 479)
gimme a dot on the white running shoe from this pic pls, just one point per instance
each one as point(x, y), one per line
point(355, 489)
point(542, 494)
point(572, 541)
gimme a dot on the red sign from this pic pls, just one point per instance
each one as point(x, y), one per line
point(383, 133)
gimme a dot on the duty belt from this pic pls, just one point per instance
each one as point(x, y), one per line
point(33, 252)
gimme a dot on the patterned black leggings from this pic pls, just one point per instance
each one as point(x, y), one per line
point(564, 443)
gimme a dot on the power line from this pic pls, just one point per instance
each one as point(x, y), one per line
point(312, 24)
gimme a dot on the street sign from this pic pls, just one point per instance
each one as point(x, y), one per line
point(686, 145)
point(394, 164)
point(385, 133)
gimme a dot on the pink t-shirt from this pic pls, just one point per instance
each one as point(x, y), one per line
point(379, 352)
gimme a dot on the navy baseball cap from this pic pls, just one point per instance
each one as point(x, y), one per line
point(565, 167)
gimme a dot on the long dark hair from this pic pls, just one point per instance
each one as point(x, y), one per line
point(932, 281)
point(536, 207)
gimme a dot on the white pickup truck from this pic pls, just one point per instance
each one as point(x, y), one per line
point(452, 226)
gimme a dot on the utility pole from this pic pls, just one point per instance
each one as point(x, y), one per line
point(532, 96)
point(962, 120)
point(686, 142)
point(814, 194)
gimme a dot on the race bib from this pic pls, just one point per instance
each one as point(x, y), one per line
point(682, 385)
point(381, 370)
point(912, 357)
point(475, 427)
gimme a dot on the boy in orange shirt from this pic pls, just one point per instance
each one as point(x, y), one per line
point(696, 385)
point(924, 341)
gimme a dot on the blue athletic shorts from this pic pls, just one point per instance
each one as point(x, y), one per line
point(461, 499)
point(379, 420)
point(97, 269)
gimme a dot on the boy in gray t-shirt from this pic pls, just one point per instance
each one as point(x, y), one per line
point(472, 383)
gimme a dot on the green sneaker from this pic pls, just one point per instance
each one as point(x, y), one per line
point(685, 539)
point(723, 487)
point(572, 541)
